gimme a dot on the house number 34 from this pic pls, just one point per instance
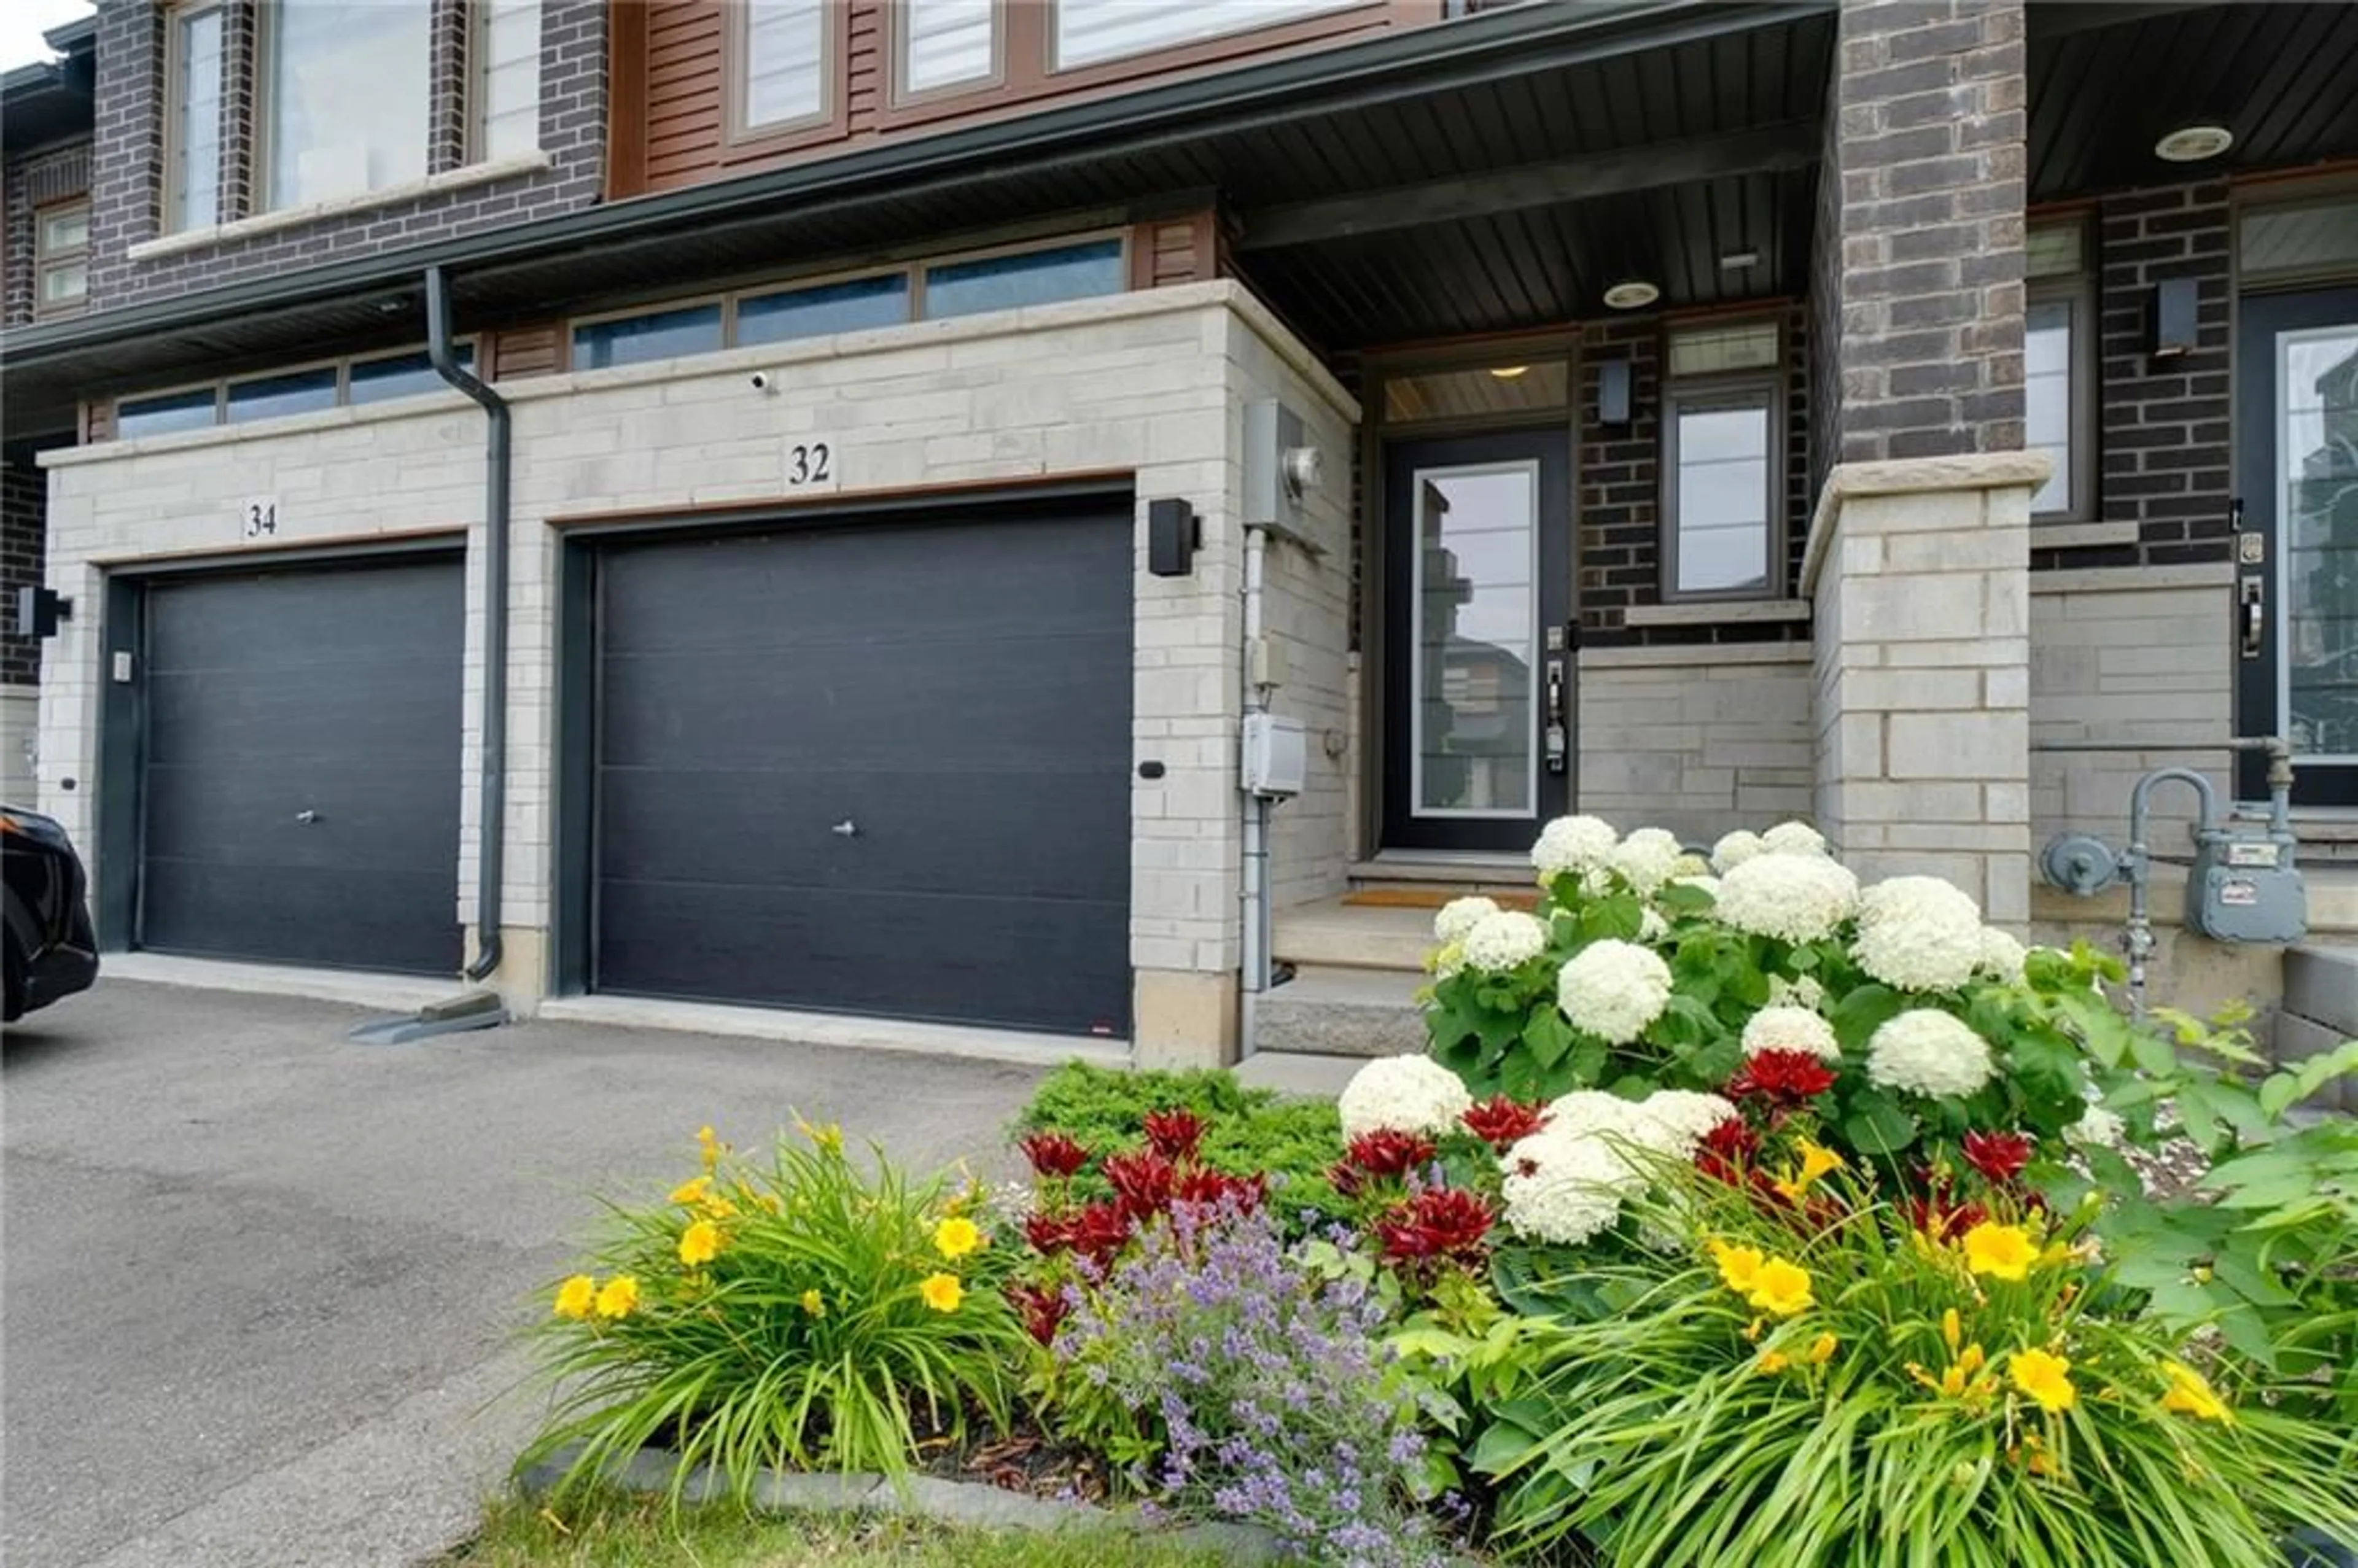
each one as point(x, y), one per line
point(259, 518)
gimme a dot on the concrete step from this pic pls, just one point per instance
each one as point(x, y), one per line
point(1333, 934)
point(2319, 1010)
point(1344, 1012)
point(1297, 1073)
point(1467, 873)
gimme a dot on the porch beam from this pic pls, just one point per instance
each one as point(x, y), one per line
point(1792, 144)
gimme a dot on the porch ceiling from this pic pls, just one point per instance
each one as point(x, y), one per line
point(2107, 81)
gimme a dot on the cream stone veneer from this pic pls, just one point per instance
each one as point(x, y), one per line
point(1919, 572)
point(1699, 741)
point(1151, 384)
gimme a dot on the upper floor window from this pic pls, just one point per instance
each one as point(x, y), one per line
point(783, 64)
point(1723, 465)
point(62, 258)
point(1091, 31)
point(2059, 381)
point(946, 43)
point(507, 41)
point(345, 92)
point(193, 68)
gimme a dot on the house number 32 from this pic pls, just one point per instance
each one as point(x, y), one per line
point(810, 465)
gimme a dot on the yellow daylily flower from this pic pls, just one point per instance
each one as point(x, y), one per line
point(828, 1136)
point(718, 1208)
point(1772, 1361)
point(691, 1192)
point(2190, 1394)
point(708, 1146)
point(814, 1303)
point(1739, 1267)
point(2046, 1378)
point(941, 1291)
point(1823, 1348)
point(1952, 1330)
point(2001, 1251)
point(1781, 1287)
point(956, 1237)
point(699, 1243)
point(574, 1295)
point(619, 1296)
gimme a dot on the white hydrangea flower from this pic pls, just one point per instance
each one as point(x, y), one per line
point(1405, 1094)
point(1505, 939)
point(1613, 990)
point(1794, 897)
point(1676, 1120)
point(1787, 1028)
point(1793, 838)
point(2096, 1128)
point(1447, 959)
point(1564, 1189)
point(1460, 915)
point(2002, 957)
point(1572, 844)
point(1919, 934)
point(1689, 865)
point(1927, 1053)
point(1734, 849)
point(1646, 858)
point(1652, 926)
point(1803, 992)
point(1587, 1113)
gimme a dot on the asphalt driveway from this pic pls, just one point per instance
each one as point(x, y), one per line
point(258, 1285)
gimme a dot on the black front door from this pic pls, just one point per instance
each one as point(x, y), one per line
point(2297, 572)
point(1477, 672)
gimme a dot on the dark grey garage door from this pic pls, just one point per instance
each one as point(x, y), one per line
point(876, 770)
point(300, 778)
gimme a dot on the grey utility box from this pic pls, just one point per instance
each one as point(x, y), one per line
point(2244, 887)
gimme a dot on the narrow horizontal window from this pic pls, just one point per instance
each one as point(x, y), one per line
point(2056, 250)
point(195, 410)
point(1714, 351)
point(1723, 494)
point(193, 165)
point(636, 339)
point(508, 124)
point(403, 375)
point(785, 62)
point(945, 42)
point(847, 306)
point(268, 396)
point(2048, 398)
point(1026, 277)
point(2299, 239)
point(1089, 31)
point(1475, 394)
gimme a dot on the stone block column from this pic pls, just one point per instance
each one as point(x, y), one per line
point(1919, 571)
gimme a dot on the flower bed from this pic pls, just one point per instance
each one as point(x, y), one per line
point(1738, 1213)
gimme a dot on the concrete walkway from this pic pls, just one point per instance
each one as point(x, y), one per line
point(261, 1284)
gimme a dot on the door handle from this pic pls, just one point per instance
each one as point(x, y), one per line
point(307, 817)
point(1559, 733)
point(2251, 615)
point(847, 829)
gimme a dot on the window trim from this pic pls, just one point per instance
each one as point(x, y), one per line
point(269, 16)
point(175, 18)
point(896, 63)
point(44, 259)
point(1763, 389)
point(2077, 290)
point(739, 136)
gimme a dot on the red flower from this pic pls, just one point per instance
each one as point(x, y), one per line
point(1053, 1154)
point(1098, 1232)
point(1206, 1188)
point(1174, 1133)
point(1445, 1225)
point(1143, 1179)
point(1502, 1122)
point(2000, 1156)
point(1388, 1152)
point(1782, 1077)
point(1726, 1149)
point(1938, 1218)
point(1043, 1308)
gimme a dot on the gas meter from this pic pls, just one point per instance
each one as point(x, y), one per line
point(2244, 887)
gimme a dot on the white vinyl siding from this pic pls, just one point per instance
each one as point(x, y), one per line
point(945, 42)
point(509, 120)
point(1089, 31)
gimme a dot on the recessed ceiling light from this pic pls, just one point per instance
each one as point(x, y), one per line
point(2192, 144)
point(1508, 373)
point(1631, 295)
point(1736, 261)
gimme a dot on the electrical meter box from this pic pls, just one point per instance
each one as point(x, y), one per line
point(1276, 756)
point(2244, 887)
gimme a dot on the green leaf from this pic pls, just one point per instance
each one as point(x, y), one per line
point(2152, 1053)
point(1877, 1125)
point(1858, 1015)
point(1501, 1448)
point(1548, 1036)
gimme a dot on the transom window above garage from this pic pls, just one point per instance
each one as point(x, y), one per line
point(302, 390)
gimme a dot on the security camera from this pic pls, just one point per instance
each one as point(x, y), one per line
point(761, 381)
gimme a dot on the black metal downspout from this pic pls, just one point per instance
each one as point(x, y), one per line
point(491, 832)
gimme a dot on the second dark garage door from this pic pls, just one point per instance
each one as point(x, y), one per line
point(876, 770)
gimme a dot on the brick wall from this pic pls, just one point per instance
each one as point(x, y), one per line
point(33, 181)
point(2162, 437)
point(24, 498)
point(1919, 254)
point(127, 202)
point(1620, 486)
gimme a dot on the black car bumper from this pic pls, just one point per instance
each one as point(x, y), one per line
point(64, 968)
